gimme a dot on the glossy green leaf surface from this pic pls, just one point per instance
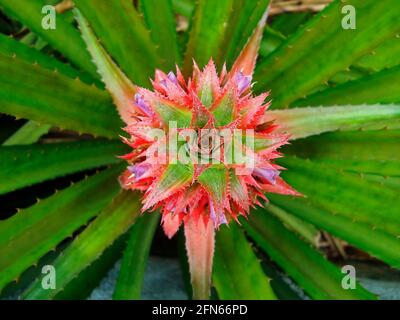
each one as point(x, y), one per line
point(24, 92)
point(129, 43)
point(320, 278)
point(130, 278)
point(32, 164)
point(113, 221)
point(296, 67)
point(233, 254)
point(64, 37)
point(28, 235)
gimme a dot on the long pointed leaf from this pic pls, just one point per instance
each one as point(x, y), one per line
point(304, 122)
point(113, 221)
point(36, 163)
point(208, 30)
point(72, 104)
point(380, 244)
point(64, 38)
point(345, 194)
point(120, 87)
point(129, 43)
point(161, 22)
point(233, 256)
point(28, 235)
point(130, 278)
point(29, 133)
point(320, 278)
point(381, 87)
point(296, 67)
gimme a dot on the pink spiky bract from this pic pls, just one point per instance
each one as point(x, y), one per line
point(198, 103)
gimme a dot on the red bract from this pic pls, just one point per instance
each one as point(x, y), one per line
point(218, 190)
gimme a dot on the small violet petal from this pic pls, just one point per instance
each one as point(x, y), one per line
point(219, 218)
point(171, 76)
point(139, 169)
point(142, 105)
point(243, 82)
point(267, 174)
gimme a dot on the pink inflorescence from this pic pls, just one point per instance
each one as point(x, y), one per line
point(212, 101)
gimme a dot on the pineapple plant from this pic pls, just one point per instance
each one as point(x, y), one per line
point(118, 81)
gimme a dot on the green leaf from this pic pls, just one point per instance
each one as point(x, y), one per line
point(378, 167)
point(29, 133)
point(272, 39)
point(233, 255)
point(72, 104)
point(357, 145)
point(242, 22)
point(288, 23)
point(160, 19)
point(28, 235)
point(130, 278)
point(386, 55)
point(11, 47)
point(120, 87)
point(304, 122)
point(378, 243)
point(124, 36)
point(320, 278)
point(345, 194)
point(81, 287)
point(183, 7)
point(113, 221)
point(64, 38)
point(381, 87)
point(350, 74)
point(209, 27)
point(306, 231)
point(32, 164)
point(283, 289)
point(295, 68)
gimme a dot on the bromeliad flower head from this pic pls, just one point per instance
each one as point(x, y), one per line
point(191, 152)
point(203, 148)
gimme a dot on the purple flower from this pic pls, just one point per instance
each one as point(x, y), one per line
point(218, 218)
point(139, 169)
point(266, 174)
point(142, 105)
point(171, 76)
point(243, 82)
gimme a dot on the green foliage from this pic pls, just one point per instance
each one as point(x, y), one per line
point(28, 235)
point(32, 164)
point(208, 30)
point(113, 221)
point(130, 279)
point(24, 92)
point(29, 133)
point(346, 81)
point(64, 38)
point(233, 254)
point(160, 20)
point(381, 87)
point(296, 68)
point(304, 122)
point(320, 278)
point(345, 194)
point(128, 34)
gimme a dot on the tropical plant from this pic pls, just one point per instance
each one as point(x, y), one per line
point(332, 92)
